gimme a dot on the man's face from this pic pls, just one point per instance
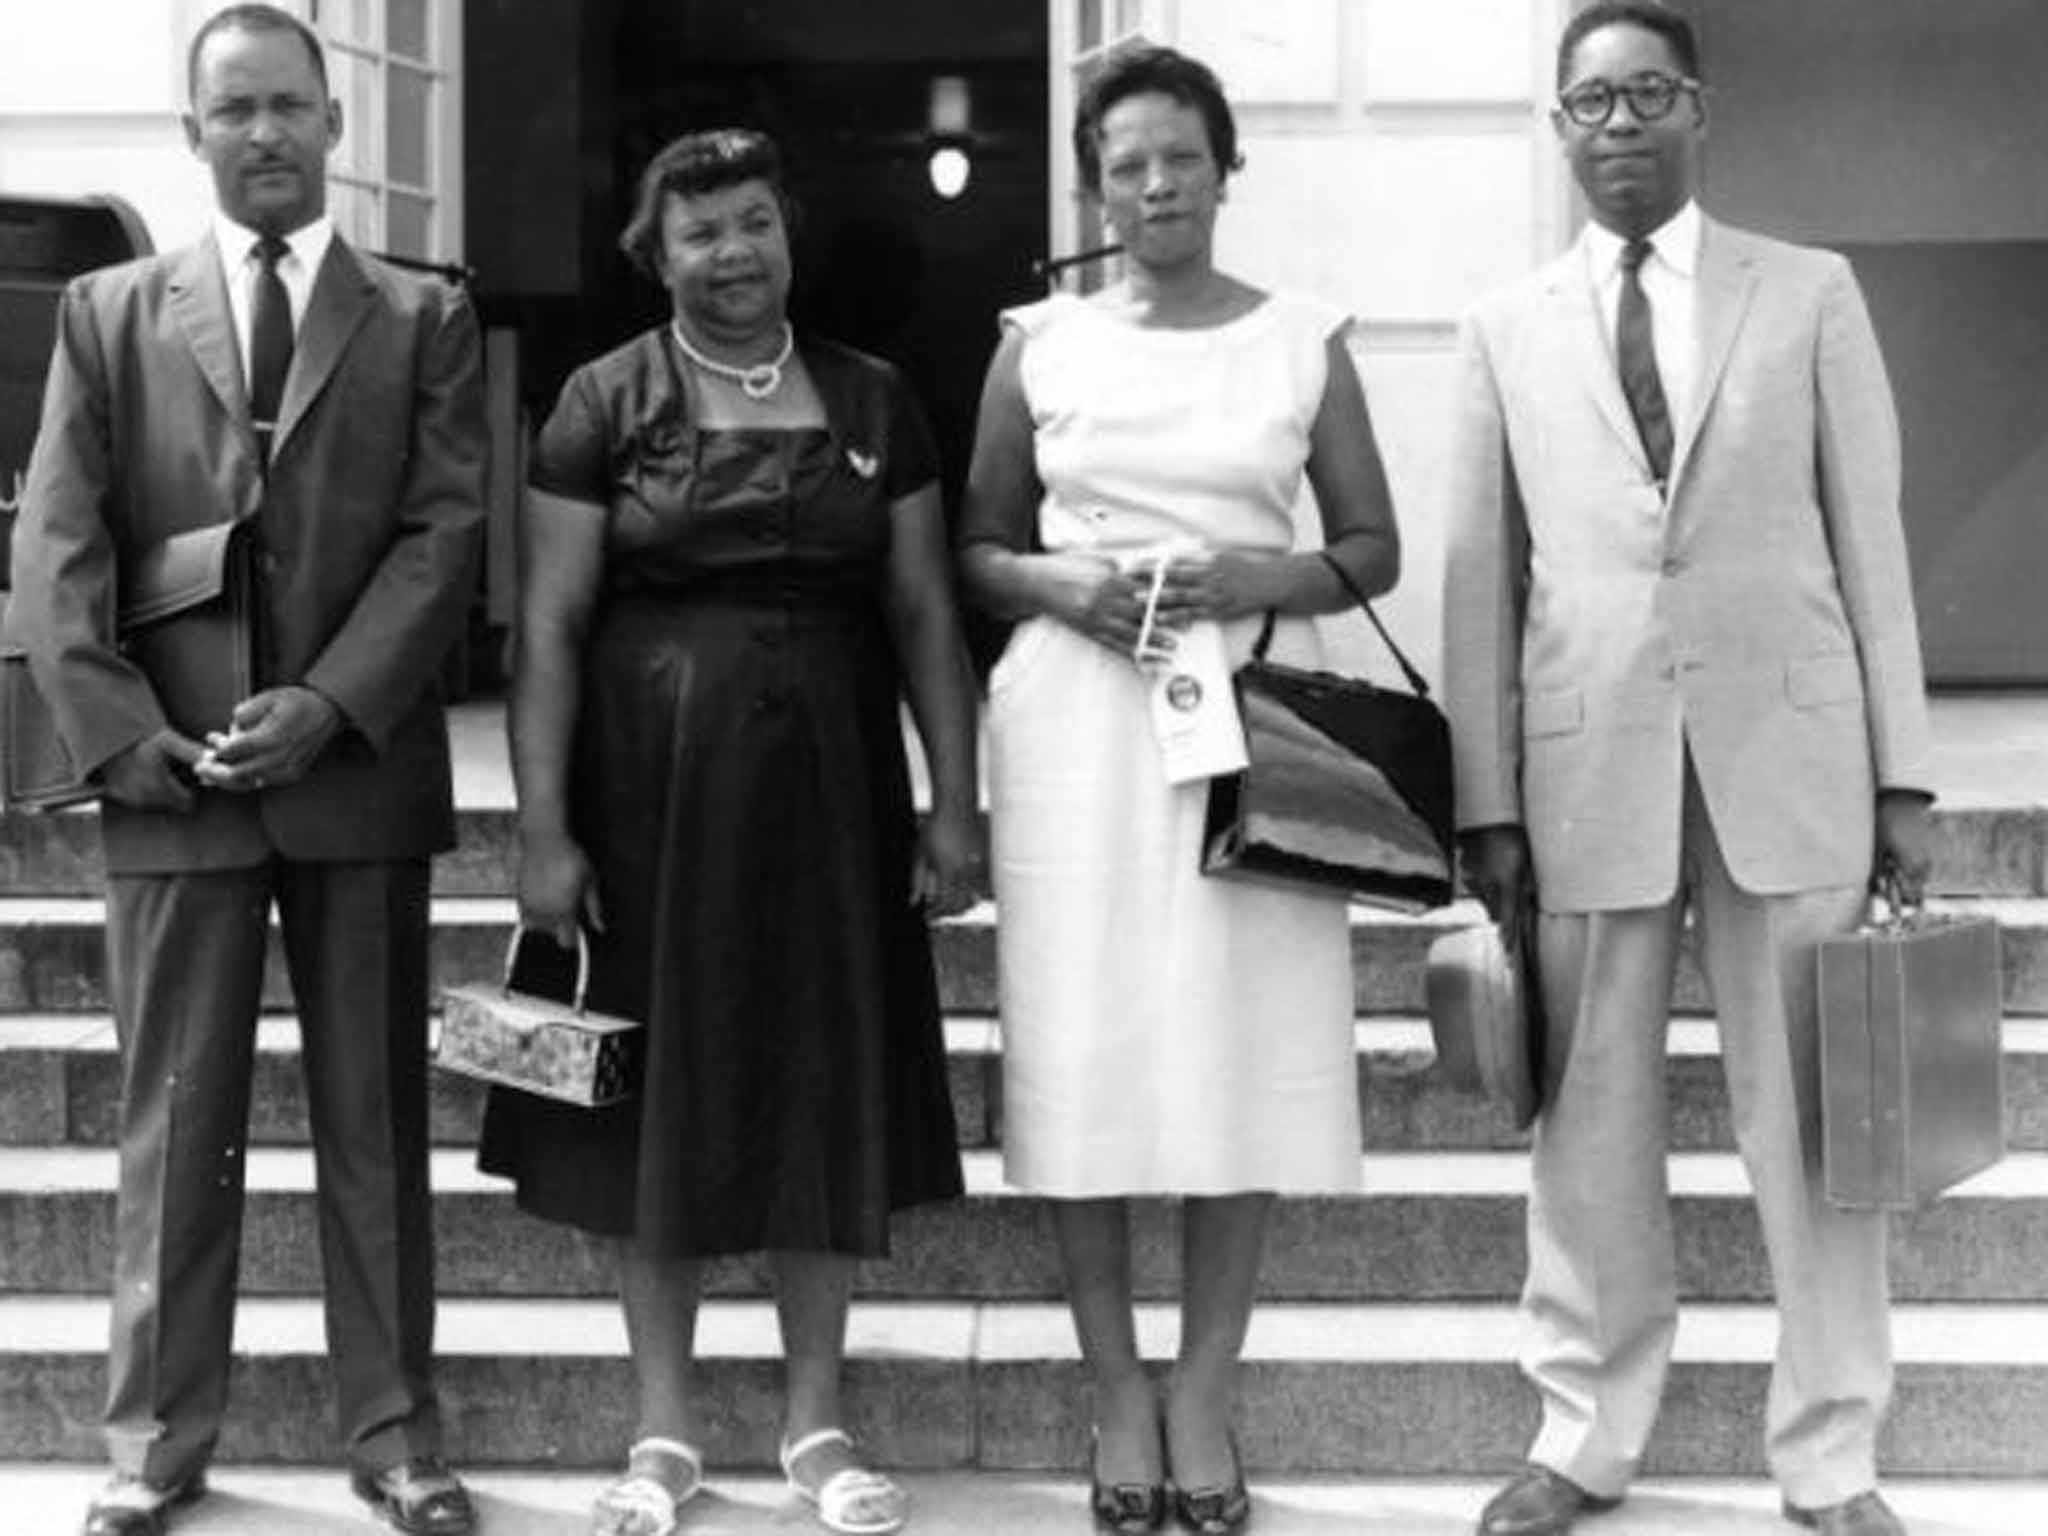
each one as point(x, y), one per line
point(263, 124)
point(1636, 171)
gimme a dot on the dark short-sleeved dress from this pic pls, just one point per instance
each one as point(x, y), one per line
point(738, 782)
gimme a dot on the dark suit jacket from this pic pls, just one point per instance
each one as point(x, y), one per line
point(366, 531)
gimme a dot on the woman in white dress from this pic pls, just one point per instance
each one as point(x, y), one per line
point(1164, 1033)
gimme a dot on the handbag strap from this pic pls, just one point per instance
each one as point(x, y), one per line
point(1415, 678)
point(519, 933)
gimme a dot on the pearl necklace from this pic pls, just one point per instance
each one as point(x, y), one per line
point(760, 381)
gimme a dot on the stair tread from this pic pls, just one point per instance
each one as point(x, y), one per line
point(42, 1169)
point(258, 1501)
point(996, 1332)
point(976, 1033)
point(2010, 910)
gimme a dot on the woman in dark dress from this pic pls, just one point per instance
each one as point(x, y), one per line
point(735, 565)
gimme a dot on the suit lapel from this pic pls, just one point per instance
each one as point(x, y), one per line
point(1727, 280)
point(1585, 349)
point(340, 299)
point(199, 299)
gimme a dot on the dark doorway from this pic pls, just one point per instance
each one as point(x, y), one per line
point(883, 261)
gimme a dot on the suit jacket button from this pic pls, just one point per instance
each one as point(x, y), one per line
point(1673, 566)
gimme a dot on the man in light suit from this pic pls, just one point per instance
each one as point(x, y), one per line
point(326, 790)
point(1683, 676)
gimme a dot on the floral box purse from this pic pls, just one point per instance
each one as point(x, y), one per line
point(539, 1044)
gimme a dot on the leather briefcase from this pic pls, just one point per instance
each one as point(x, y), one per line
point(1912, 1065)
point(1486, 1016)
point(186, 619)
point(1348, 787)
point(559, 1050)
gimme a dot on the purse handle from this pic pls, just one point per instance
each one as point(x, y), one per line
point(519, 932)
point(1415, 679)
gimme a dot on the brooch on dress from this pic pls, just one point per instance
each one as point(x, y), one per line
point(864, 464)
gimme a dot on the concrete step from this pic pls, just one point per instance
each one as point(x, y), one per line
point(60, 1085)
point(263, 1501)
point(1980, 850)
point(1358, 1390)
point(1426, 1227)
point(52, 954)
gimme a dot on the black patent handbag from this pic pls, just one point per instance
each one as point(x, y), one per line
point(1348, 789)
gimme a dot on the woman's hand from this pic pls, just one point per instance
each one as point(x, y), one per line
point(1220, 586)
point(946, 873)
point(1089, 594)
point(557, 888)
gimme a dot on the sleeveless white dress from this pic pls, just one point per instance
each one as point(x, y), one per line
point(1163, 1031)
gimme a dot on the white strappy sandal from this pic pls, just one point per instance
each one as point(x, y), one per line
point(643, 1503)
point(854, 1501)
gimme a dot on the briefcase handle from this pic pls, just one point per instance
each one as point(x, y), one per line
point(1888, 907)
point(1415, 679)
point(519, 932)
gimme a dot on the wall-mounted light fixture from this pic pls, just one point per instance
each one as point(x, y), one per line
point(950, 133)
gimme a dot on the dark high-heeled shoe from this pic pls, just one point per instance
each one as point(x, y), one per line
point(1131, 1509)
point(1216, 1511)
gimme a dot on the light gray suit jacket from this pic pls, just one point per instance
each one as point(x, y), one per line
point(1758, 611)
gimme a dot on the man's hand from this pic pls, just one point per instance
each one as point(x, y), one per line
point(1905, 844)
point(1499, 872)
point(154, 774)
point(274, 737)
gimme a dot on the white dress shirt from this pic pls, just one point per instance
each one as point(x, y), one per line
point(1670, 282)
point(298, 268)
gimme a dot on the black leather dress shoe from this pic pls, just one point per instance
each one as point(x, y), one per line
point(1539, 1502)
point(420, 1497)
point(128, 1506)
point(1865, 1515)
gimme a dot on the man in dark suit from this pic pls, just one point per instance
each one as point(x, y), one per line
point(1684, 676)
point(268, 375)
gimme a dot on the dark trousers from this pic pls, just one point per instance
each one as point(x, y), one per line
point(185, 964)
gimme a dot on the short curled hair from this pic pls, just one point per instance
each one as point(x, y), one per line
point(690, 166)
point(1153, 71)
point(1650, 15)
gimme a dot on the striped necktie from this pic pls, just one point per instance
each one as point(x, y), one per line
point(1636, 352)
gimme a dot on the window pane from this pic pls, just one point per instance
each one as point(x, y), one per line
point(406, 125)
point(405, 28)
point(1091, 25)
point(350, 21)
point(409, 225)
point(354, 210)
point(346, 79)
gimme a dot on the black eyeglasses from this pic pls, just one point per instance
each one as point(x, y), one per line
point(1651, 97)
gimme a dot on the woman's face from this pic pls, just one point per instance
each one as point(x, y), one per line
point(1160, 181)
point(725, 259)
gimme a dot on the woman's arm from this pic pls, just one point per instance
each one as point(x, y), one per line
point(561, 559)
point(999, 571)
point(926, 630)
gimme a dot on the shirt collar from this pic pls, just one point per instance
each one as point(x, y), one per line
point(237, 242)
point(1677, 243)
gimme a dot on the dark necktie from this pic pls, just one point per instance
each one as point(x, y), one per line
point(270, 341)
point(1635, 350)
